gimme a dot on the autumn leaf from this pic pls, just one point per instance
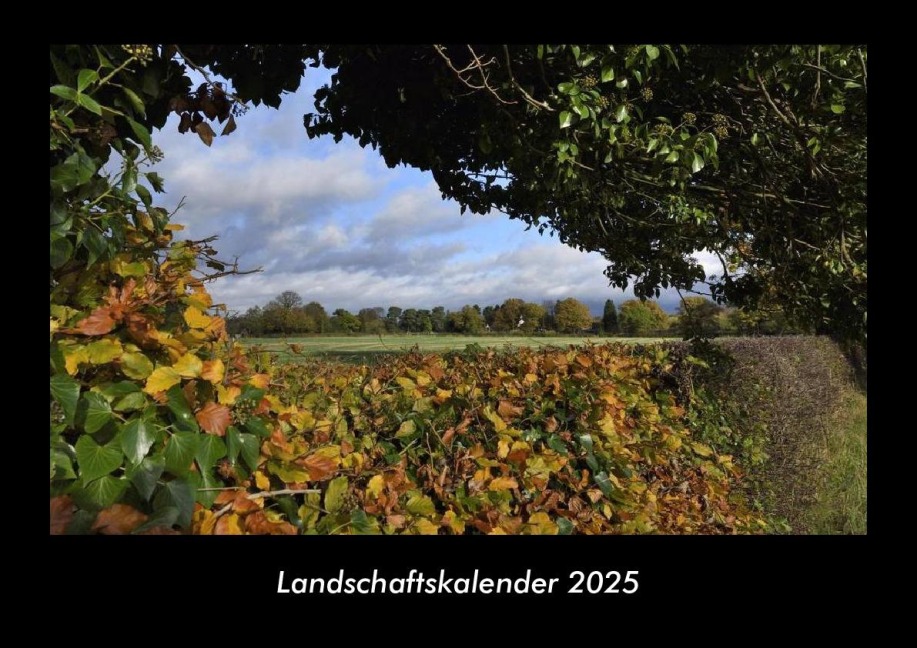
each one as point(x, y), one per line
point(508, 411)
point(320, 466)
point(99, 322)
point(230, 126)
point(423, 526)
point(205, 132)
point(540, 524)
point(375, 486)
point(228, 395)
point(260, 380)
point(161, 380)
point(213, 371)
point(213, 418)
point(196, 319)
point(261, 480)
point(104, 351)
point(503, 483)
point(228, 524)
point(258, 523)
point(118, 519)
point(188, 366)
point(136, 366)
point(62, 510)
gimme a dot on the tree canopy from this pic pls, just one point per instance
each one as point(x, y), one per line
point(647, 154)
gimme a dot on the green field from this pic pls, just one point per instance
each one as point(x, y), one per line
point(365, 348)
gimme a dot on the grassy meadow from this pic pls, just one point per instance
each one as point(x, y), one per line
point(359, 349)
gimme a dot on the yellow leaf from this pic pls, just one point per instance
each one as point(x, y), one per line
point(228, 525)
point(196, 319)
point(188, 366)
point(503, 447)
point(375, 486)
point(161, 379)
point(260, 380)
point(540, 524)
point(503, 483)
point(228, 395)
point(423, 526)
point(55, 324)
point(530, 378)
point(407, 428)
point(701, 449)
point(213, 371)
point(104, 351)
point(262, 481)
point(493, 417)
point(73, 357)
point(174, 227)
point(497, 531)
point(136, 366)
point(452, 521)
point(406, 383)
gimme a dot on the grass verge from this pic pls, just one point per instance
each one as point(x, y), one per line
point(840, 507)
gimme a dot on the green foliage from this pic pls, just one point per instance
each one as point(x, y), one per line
point(571, 316)
point(610, 318)
point(698, 317)
point(755, 153)
point(638, 318)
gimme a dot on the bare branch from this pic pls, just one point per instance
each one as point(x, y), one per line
point(529, 98)
point(464, 75)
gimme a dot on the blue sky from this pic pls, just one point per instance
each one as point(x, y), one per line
point(335, 224)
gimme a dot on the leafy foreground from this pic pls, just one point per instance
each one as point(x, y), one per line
point(588, 440)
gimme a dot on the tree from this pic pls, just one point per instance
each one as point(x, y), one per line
point(393, 319)
point(645, 153)
point(371, 320)
point(287, 300)
point(319, 317)
point(345, 321)
point(517, 315)
point(699, 317)
point(468, 321)
point(638, 318)
point(438, 319)
point(610, 318)
point(572, 316)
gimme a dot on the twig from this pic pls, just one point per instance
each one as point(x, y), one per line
point(817, 77)
point(863, 65)
point(477, 65)
point(194, 66)
point(525, 95)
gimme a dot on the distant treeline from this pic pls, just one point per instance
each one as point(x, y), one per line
point(287, 314)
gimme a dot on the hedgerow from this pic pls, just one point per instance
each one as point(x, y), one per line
point(160, 424)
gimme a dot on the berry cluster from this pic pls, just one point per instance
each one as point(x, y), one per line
point(662, 130)
point(689, 118)
point(646, 93)
point(720, 126)
point(143, 53)
point(589, 81)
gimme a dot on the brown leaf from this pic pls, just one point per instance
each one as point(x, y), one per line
point(62, 510)
point(118, 519)
point(206, 133)
point(213, 418)
point(225, 497)
point(257, 523)
point(99, 322)
point(319, 467)
point(508, 411)
point(229, 524)
point(242, 505)
point(184, 125)
point(230, 126)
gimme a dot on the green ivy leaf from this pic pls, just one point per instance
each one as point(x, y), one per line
point(837, 109)
point(179, 494)
point(66, 391)
point(145, 476)
point(608, 74)
point(178, 404)
point(96, 411)
point(180, 452)
point(652, 52)
point(61, 251)
point(97, 460)
point(621, 113)
point(566, 119)
point(143, 135)
point(163, 517)
point(136, 102)
point(210, 449)
point(100, 494)
point(136, 440)
point(697, 164)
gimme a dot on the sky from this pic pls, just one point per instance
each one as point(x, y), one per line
point(333, 223)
